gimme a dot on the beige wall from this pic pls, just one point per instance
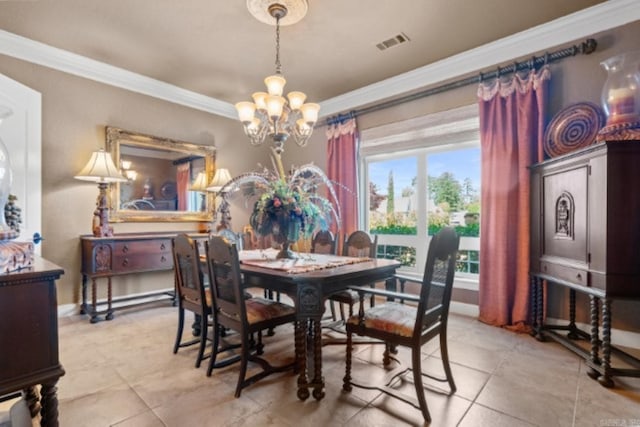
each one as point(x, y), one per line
point(76, 110)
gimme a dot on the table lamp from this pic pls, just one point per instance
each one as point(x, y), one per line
point(220, 179)
point(102, 170)
point(200, 184)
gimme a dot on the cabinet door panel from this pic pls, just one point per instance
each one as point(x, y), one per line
point(565, 214)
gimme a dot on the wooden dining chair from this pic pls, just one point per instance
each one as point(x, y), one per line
point(324, 242)
point(410, 325)
point(245, 316)
point(357, 244)
point(190, 292)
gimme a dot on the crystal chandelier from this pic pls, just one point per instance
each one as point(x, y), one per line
point(270, 113)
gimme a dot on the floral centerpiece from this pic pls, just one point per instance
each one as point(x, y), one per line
point(288, 206)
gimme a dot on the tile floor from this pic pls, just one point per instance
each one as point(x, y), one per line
point(123, 373)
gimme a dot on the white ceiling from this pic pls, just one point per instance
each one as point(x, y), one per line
point(217, 49)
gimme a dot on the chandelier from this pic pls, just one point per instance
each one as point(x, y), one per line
point(270, 113)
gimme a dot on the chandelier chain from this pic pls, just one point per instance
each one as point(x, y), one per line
point(278, 64)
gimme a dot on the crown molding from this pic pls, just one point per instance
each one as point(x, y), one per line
point(601, 17)
point(62, 60)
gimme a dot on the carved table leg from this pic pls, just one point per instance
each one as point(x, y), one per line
point(573, 334)
point(33, 400)
point(605, 379)
point(318, 380)
point(94, 301)
point(301, 358)
point(49, 411)
point(595, 346)
point(109, 315)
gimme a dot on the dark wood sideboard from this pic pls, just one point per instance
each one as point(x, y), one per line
point(29, 337)
point(122, 254)
point(585, 236)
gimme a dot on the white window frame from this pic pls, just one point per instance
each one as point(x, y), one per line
point(419, 137)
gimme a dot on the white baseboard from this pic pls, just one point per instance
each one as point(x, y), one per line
point(618, 337)
point(464, 309)
point(141, 298)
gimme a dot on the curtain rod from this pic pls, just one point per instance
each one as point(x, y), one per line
point(584, 48)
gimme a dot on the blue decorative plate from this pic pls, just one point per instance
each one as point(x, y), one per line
point(572, 128)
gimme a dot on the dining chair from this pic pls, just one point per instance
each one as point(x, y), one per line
point(324, 242)
point(245, 316)
point(357, 244)
point(190, 292)
point(410, 325)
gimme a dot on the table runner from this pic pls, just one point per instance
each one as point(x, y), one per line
point(305, 262)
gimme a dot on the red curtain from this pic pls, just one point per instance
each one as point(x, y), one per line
point(342, 150)
point(183, 179)
point(512, 120)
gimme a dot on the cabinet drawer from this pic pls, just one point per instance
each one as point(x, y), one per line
point(135, 247)
point(569, 274)
point(133, 262)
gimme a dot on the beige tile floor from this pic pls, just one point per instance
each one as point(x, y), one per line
point(123, 373)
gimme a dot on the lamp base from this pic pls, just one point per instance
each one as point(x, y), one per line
point(100, 224)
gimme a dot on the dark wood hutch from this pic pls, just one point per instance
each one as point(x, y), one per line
point(585, 236)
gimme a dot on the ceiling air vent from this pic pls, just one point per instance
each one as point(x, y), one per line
point(393, 41)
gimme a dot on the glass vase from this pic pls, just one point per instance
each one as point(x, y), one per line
point(6, 232)
point(621, 90)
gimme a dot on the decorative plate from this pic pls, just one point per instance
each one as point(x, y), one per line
point(168, 190)
point(572, 128)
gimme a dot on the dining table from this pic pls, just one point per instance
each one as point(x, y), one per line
point(309, 280)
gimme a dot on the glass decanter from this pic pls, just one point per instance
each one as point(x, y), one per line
point(621, 90)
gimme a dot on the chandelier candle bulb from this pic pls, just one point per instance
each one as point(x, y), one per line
point(275, 84)
point(275, 104)
point(296, 99)
point(246, 111)
point(260, 100)
point(310, 113)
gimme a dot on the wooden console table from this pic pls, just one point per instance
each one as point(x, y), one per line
point(584, 237)
point(29, 337)
point(122, 254)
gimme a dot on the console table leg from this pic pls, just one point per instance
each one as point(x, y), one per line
point(109, 315)
point(94, 301)
point(595, 346)
point(605, 379)
point(83, 307)
point(49, 411)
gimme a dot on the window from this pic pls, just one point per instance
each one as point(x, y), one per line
point(418, 181)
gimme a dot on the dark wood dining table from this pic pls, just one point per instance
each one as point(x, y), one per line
point(309, 291)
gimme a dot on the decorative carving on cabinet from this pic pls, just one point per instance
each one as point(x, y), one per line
point(103, 257)
point(565, 209)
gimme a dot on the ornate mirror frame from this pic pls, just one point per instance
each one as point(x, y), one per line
point(117, 138)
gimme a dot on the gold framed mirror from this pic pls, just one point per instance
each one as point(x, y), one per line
point(160, 173)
